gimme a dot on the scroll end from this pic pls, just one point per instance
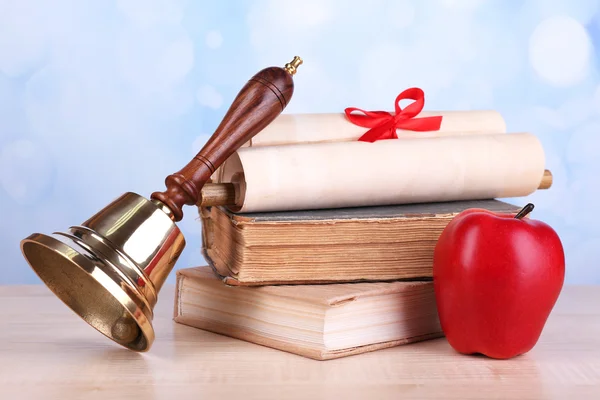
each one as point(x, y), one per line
point(546, 182)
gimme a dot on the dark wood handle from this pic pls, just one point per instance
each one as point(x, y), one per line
point(259, 102)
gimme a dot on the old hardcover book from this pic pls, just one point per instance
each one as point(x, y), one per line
point(328, 246)
point(316, 321)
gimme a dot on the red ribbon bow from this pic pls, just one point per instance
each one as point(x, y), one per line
point(384, 124)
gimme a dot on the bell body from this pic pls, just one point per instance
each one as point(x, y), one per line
point(110, 269)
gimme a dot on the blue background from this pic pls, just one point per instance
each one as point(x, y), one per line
point(102, 97)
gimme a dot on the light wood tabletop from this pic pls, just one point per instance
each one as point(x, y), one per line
point(47, 352)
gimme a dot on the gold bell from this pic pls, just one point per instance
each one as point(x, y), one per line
point(110, 269)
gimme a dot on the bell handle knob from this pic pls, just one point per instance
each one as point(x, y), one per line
point(257, 104)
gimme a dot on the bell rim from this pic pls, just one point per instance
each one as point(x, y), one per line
point(137, 314)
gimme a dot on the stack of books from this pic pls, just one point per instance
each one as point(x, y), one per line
point(320, 283)
point(321, 255)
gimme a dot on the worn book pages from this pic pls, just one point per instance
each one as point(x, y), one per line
point(334, 127)
point(316, 321)
point(397, 171)
point(329, 245)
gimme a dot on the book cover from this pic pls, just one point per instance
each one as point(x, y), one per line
point(332, 245)
point(315, 321)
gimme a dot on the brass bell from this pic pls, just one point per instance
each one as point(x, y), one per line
point(110, 269)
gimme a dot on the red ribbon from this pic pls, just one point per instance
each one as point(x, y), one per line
point(384, 124)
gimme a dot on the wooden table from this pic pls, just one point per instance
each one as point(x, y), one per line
point(47, 352)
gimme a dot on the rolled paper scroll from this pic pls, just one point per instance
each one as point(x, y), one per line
point(398, 171)
point(358, 124)
point(319, 128)
point(406, 121)
point(335, 127)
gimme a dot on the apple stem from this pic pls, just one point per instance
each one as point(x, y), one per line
point(524, 211)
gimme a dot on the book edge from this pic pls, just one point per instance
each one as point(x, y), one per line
point(313, 352)
point(307, 352)
point(207, 235)
point(239, 220)
point(179, 277)
point(253, 218)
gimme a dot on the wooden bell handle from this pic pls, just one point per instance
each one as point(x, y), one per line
point(257, 104)
point(225, 194)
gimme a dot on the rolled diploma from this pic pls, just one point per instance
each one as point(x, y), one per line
point(334, 127)
point(396, 171)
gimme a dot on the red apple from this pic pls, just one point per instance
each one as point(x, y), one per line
point(496, 279)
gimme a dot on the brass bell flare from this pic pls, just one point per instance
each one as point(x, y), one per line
point(110, 269)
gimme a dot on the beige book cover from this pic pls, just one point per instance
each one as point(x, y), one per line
point(315, 321)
